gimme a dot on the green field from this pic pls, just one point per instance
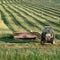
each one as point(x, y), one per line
point(24, 16)
point(29, 54)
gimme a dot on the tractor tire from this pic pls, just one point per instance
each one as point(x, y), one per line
point(51, 41)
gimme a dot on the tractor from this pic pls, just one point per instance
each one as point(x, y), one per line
point(47, 35)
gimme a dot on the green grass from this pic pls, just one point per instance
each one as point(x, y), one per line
point(35, 17)
point(26, 17)
point(17, 16)
point(29, 54)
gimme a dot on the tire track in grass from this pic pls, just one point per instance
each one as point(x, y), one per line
point(6, 21)
point(41, 12)
point(6, 1)
point(53, 9)
point(46, 8)
point(9, 21)
point(38, 14)
point(54, 28)
point(56, 13)
point(19, 18)
point(50, 21)
point(26, 19)
point(14, 1)
point(30, 15)
point(50, 12)
point(9, 1)
point(3, 27)
point(18, 27)
point(35, 14)
point(25, 13)
point(15, 20)
point(45, 11)
point(45, 19)
point(4, 30)
point(1, 1)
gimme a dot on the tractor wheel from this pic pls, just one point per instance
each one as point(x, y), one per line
point(42, 42)
point(52, 41)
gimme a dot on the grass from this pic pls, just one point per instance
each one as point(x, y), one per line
point(29, 54)
point(22, 15)
point(17, 16)
point(29, 50)
point(28, 17)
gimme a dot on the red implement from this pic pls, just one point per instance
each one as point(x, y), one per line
point(24, 35)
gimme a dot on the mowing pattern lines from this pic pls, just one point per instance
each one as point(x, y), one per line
point(28, 18)
point(13, 20)
point(21, 17)
point(45, 19)
point(40, 20)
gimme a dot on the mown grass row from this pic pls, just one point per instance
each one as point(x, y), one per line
point(34, 17)
point(31, 18)
point(40, 21)
point(48, 5)
point(9, 1)
point(39, 16)
point(26, 12)
point(42, 12)
point(52, 6)
point(20, 23)
point(44, 9)
point(51, 20)
point(24, 18)
point(13, 20)
point(56, 11)
point(6, 21)
point(54, 29)
point(29, 54)
point(4, 30)
point(29, 22)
